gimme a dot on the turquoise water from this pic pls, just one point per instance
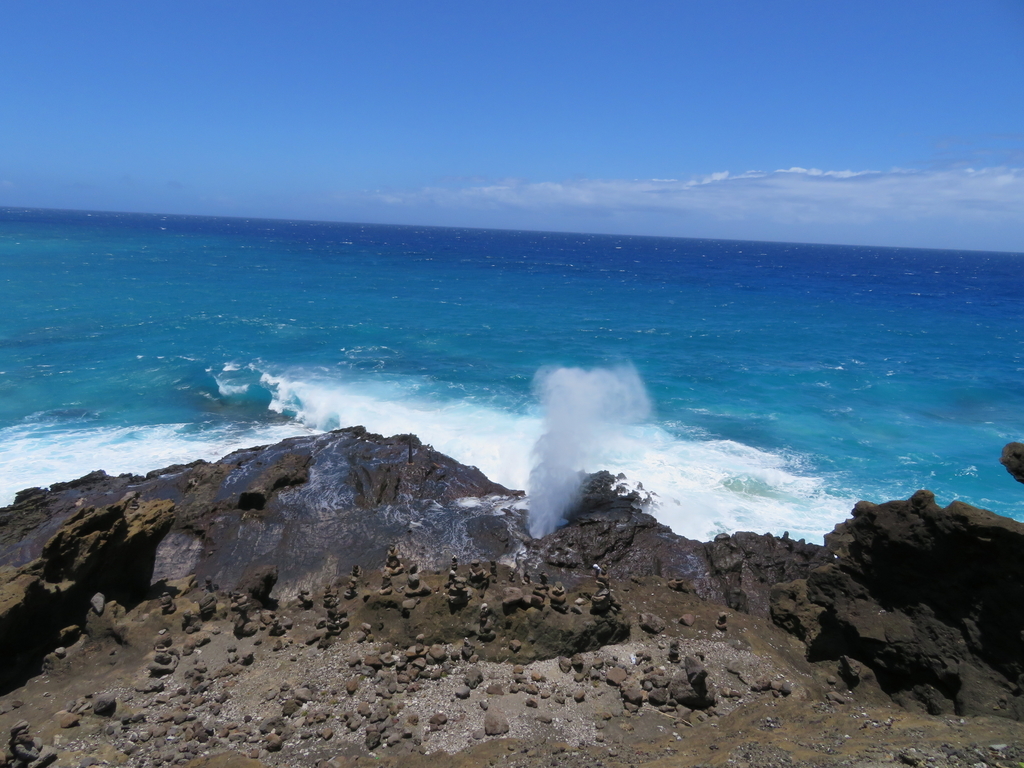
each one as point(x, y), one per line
point(785, 381)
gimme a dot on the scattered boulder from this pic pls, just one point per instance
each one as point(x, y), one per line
point(690, 687)
point(104, 704)
point(651, 623)
point(616, 676)
point(474, 677)
point(633, 695)
point(512, 599)
point(273, 742)
point(495, 723)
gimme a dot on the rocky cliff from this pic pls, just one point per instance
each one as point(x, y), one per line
point(925, 599)
point(929, 600)
point(97, 557)
point(312, 507)
point(349, 594)
point(608, 527)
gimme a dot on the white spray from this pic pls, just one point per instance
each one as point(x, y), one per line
point(581, 409)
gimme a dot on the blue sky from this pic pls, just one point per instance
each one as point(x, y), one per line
point(888, 123)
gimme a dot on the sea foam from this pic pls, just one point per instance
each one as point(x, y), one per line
point(39, 455)
point(700, 487)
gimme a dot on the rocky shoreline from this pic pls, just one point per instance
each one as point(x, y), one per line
point(349, 599)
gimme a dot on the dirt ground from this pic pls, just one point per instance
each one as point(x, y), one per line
point(399, 694)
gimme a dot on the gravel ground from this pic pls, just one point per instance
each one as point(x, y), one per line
point(281, 702)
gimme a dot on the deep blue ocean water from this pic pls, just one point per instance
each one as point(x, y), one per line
point(786, 381)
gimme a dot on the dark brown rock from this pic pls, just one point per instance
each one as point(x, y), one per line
point(608, 528)
point(1013, 460)
point(259, 505)
point(273, 742)
point(495, 723)
point(264, 505)
point(104, 704)
point(651, 623)
point(689, 688)
point(616, 676)
point(633, 695)
point(258, 581)
point(474, 677)
point(929, 599)
point(512, 599)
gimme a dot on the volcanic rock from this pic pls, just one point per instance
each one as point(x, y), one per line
point(109, 550)
point(495, 723)
point(690, 687)
point(310, 506)
point(616, 676)
point(258, 581)
point(651, 623)
point(474, 677)
point(608, 527)
point(1013, 460)
point(931, 599)
point(104, 704)
point(391, 506)
point(315, 506)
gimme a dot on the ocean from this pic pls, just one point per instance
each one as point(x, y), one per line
point(744, 385)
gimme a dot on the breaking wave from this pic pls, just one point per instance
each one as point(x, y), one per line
point(700, 487)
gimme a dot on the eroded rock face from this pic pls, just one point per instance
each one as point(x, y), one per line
point(930, 598)
point(37, 513)
point(108, 551)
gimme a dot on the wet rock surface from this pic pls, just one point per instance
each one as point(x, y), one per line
point(311, 506)
point(609, 528)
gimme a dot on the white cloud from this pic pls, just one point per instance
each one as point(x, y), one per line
point(793, 194)
point(807, 200)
